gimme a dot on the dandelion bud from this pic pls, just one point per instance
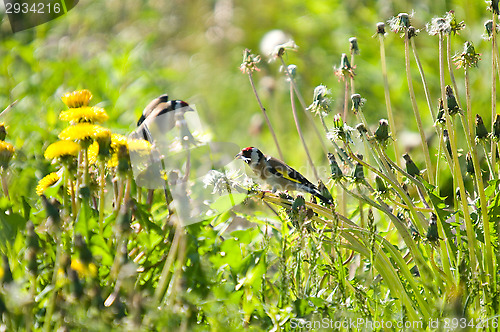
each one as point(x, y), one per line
point(345, 70)
point(324, 191)
point(404, 19)
point(361, 129)
point(493, 6)
point(335, 169)
point(123, 159)
point(432, 231)
point(338, 123)
point(496, 128)
point(344, 62)
point(382, 132)
point(358, 173)
point(83, 250)
point(104, 141)
point(469, 164)
point(440, 116)
point(52, 210)
point(451, 101)
point(299, 203)
point(321, 101)
point(381, 28)
point(412, 32)
point(468, 58)
point(399, 23)
point(357, 102)
point(30, 256)
point(481, 131)
point(31, 237)
point(3, 132)
point(381, 187)
point(488, 25)
point(353, 41)
point(250, 62)
point(411, 168)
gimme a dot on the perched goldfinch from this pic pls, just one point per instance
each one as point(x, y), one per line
point(159, 110)
point(278, 174)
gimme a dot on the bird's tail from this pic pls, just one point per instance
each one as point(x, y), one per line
point(323, 198)
point(315, 191)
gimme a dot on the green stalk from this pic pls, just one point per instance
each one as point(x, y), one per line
point(301, 136)
point(52, 299)
point(176, 276)
point(424, 81)
point(489, 257)
point(390, 116)
point(5, 188)
point(163, 281)
point(384, 266)
point(493, 90)
point(413, 99)
point(389, 178)
point(101, 195)
point(471, 236)
point(264, 112)
point(303, 104)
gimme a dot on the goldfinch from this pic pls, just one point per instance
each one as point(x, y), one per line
point(159, 111)
point(278, 174)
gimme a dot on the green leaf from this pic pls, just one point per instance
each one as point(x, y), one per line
point(10, 225)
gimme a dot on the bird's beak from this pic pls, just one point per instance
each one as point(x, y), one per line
point(238, 156)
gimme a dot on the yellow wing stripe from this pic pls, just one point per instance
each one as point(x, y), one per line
point(286, 176)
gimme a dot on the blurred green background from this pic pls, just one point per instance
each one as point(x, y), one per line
point(128, 52)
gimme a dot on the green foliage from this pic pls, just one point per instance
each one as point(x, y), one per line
point(400, 244)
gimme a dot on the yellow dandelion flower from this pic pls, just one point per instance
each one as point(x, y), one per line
point(92, 153)
point(139, 146)
point(113, 161)
point(84, 114)
point(77, 98)
point(117, 140)
point(3, 131)
point(81, 132)
point(84, 269)
point(6, 153)
point(47, 181)
point(62, 149)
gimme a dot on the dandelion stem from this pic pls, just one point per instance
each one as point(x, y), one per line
point(493, 88)
point(52, 300)
point(424, 81)
point(176, 276)
point(303, 104)
point(102, 185)
point(390, 116)
point(264, 112)
point(423, 138)
point(457, 172)
point(488, 161)
point(163, 281)
point(346, 100)
point(299, 131)
point(5, 188)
